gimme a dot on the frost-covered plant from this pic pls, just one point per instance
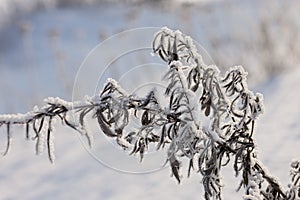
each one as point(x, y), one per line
point(209, 120)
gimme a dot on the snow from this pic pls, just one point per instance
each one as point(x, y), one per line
point(117, 86)
point(59, 101)
point(76, 174)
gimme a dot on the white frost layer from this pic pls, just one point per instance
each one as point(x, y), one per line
point(16, 118)
point(23, 118)
point(59, 101)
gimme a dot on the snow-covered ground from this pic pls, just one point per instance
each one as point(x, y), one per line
point(40, 53)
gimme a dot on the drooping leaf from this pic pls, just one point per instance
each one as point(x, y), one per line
point(175, 166)
point(103, 125)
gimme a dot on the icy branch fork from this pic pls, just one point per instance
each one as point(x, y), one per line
point(195, 91)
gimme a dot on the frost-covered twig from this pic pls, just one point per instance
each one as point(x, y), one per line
point(40, 121)
point(232, 109)
point(294, 186)
point(197, 93)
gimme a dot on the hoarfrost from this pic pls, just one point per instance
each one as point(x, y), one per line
point(195, 92)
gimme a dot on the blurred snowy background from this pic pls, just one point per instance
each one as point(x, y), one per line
point(43, 43)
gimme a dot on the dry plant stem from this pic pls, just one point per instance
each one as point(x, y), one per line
point(195, 91)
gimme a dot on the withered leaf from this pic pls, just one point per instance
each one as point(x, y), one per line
point(145, 118)
point(175, 166)
point(104, 127)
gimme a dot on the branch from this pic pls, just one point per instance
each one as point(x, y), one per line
point(196, 93)
point(40, 120)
